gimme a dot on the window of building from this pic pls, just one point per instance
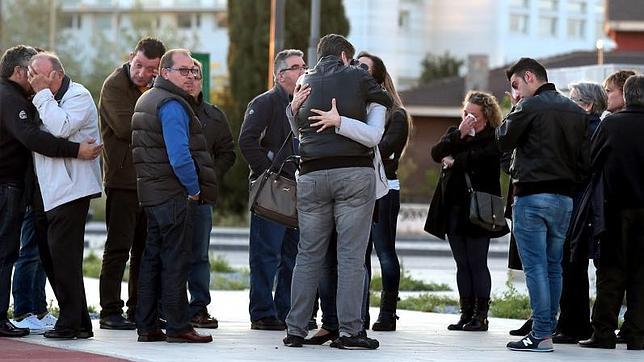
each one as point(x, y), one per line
point(404, 19)
point(576, 7)
point(576, 28)
point(548, 5)
point(103, 22)
point(70, 21)
point(524, 4)
point(519, 23)
point(184, 21)
point(198, 20)
point(547, 26)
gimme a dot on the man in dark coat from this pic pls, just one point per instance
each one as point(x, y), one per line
point(618, 152)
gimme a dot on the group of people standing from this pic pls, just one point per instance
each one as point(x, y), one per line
point(164, 150)
point(575, 195)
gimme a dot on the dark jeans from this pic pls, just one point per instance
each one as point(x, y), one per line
point(11, 216)
point(574, 314)
point(29, 278)
point(66, 237)
point(620, 270)
point(165, 266)
point(383, 238)
point(126, 231)
point(272, 251)
point(470, 253)
point(199, 277)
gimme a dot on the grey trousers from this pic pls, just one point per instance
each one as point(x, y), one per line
point(344, 198)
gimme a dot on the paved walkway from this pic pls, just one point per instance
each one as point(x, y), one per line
point(420, 337)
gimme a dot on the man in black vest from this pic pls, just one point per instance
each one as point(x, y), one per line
point(618, 153)
point(175, 173)
point(336, 189)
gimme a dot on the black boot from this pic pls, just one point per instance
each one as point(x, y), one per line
point(479, 322)
point(387, 317)
point(467, 311)
point(523, 330)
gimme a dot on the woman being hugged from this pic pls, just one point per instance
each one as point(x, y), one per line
point(383, 230)
point(468, 150)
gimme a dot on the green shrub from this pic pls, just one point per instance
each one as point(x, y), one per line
point(408, 283)
point(424, 303)
point(219, 264)
point(511, 304)
point(92, 266)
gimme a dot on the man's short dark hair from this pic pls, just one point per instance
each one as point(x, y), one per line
point(334, 44)
point(166, 59)
point(634, 91)
point(18, 56)
point(152, 48)
point(527, 64)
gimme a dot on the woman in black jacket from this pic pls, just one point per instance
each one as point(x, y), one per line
point(383, 230)
point(468, 149)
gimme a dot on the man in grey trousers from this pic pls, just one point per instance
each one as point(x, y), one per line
point(336, 187)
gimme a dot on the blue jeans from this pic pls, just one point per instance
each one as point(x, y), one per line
point(272, 251)
point(199, 277)
point(383, 236)
point(29, 278)
point(11, 216)
point(165, 266)
point(540, 223)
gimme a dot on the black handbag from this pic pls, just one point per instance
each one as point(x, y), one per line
point(486, 210)
point(273, 196)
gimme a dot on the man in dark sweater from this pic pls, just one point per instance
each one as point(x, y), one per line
point(546, 133)
point(124, 218)
point(618, 153)
point(19, 136)
point(219, 142)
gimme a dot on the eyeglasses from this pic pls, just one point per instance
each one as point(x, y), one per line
point(296, 68)
point(185, 71)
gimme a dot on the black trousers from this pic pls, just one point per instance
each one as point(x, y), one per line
point(126, 231)
point(66, 238)
point(620, 270)
point(11, 214)
point(574, 316)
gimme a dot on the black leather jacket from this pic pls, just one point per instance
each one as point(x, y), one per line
point(353, 88)
point(547, 134)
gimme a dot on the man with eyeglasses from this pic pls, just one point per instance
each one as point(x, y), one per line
point(219, 140)
point(175, 175)
point(546, 133)
point(124, 218)
point(272, 246)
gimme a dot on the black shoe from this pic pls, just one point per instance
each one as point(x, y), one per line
point(116, 322)
point(597, 342)
point(293, 341)
point(204, 320)
point(467, 311)
point(359, 341)
point(268, 324)
point(320, 340)
point(530, 343)
point(62, 333)
point(312, 324)
point(562, 338)
point(523, 330)
point(7, 329)
point(85, 334)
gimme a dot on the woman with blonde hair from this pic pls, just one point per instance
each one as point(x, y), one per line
point(468, 154)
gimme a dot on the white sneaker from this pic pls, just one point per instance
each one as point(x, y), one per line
point(35, 325)
point(49, 321)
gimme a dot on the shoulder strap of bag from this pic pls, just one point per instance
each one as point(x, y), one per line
point(468, 182)
point(289, 138)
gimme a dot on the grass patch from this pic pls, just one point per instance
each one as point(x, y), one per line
point(219, 264)
point(408, 283)
point(511, 304)
point(425, 302)
point(92, 265)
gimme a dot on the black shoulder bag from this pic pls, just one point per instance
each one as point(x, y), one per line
point(486, 210)
point(273, 196)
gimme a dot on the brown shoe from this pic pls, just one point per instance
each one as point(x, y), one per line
point(154, 336)
point(190, 336)
point(204, 320)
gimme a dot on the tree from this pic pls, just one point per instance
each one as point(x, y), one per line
point(248, 31)
point(439, 66)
